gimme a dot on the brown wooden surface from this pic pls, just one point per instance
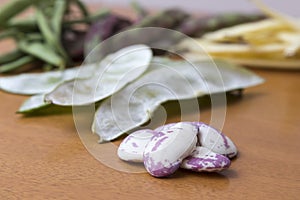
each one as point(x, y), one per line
point(42, 157)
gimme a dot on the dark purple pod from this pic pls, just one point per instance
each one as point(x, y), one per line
point(103, 29)
point(73, 43)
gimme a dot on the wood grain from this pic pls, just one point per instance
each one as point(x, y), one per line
point(42, 157)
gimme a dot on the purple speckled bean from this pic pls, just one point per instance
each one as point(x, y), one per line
point(133, 146)
point(173, 145)
point(168, 126)
point(203, 159)
point(216, 141)
point(160, 169)
point(209, 137)
point(158, 143)
point(164, 127)
point(164, 153)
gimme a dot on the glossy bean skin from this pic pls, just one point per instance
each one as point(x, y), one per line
point(210, 138)
point(133, 146)
point(194, 146)
point(203, 159)
point(215, 140)
point(166, 150)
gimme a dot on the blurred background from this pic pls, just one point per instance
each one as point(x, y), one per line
point(81, 35)
point(212, 6)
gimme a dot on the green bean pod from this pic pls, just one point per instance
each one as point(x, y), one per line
point(16, 64)
point(23, 25)
point(89, 19)
point(34, 37)
point(57, 18)
point(43, 52)
point(49, 36)
point(12, 8)
point(11, 33)
point(165, 19)
point(11, 56)
point(139, 10)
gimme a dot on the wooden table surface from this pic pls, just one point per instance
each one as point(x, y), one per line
point(42, 157)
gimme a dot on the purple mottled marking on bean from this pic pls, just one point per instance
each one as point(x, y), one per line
point(134, 145)
point(158, 169)
point(163, 127)
point(200, 163)
point(165, 171)
point(225, 141)
point(158, 143)
point(127, 139)
point(157, 134)
point(167, 126)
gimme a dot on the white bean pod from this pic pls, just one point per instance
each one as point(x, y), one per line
point(166, 150)
point(164, 80)
point(204, 159)
point(133, 146)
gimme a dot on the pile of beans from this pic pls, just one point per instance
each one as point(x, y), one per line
point(190, 145)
